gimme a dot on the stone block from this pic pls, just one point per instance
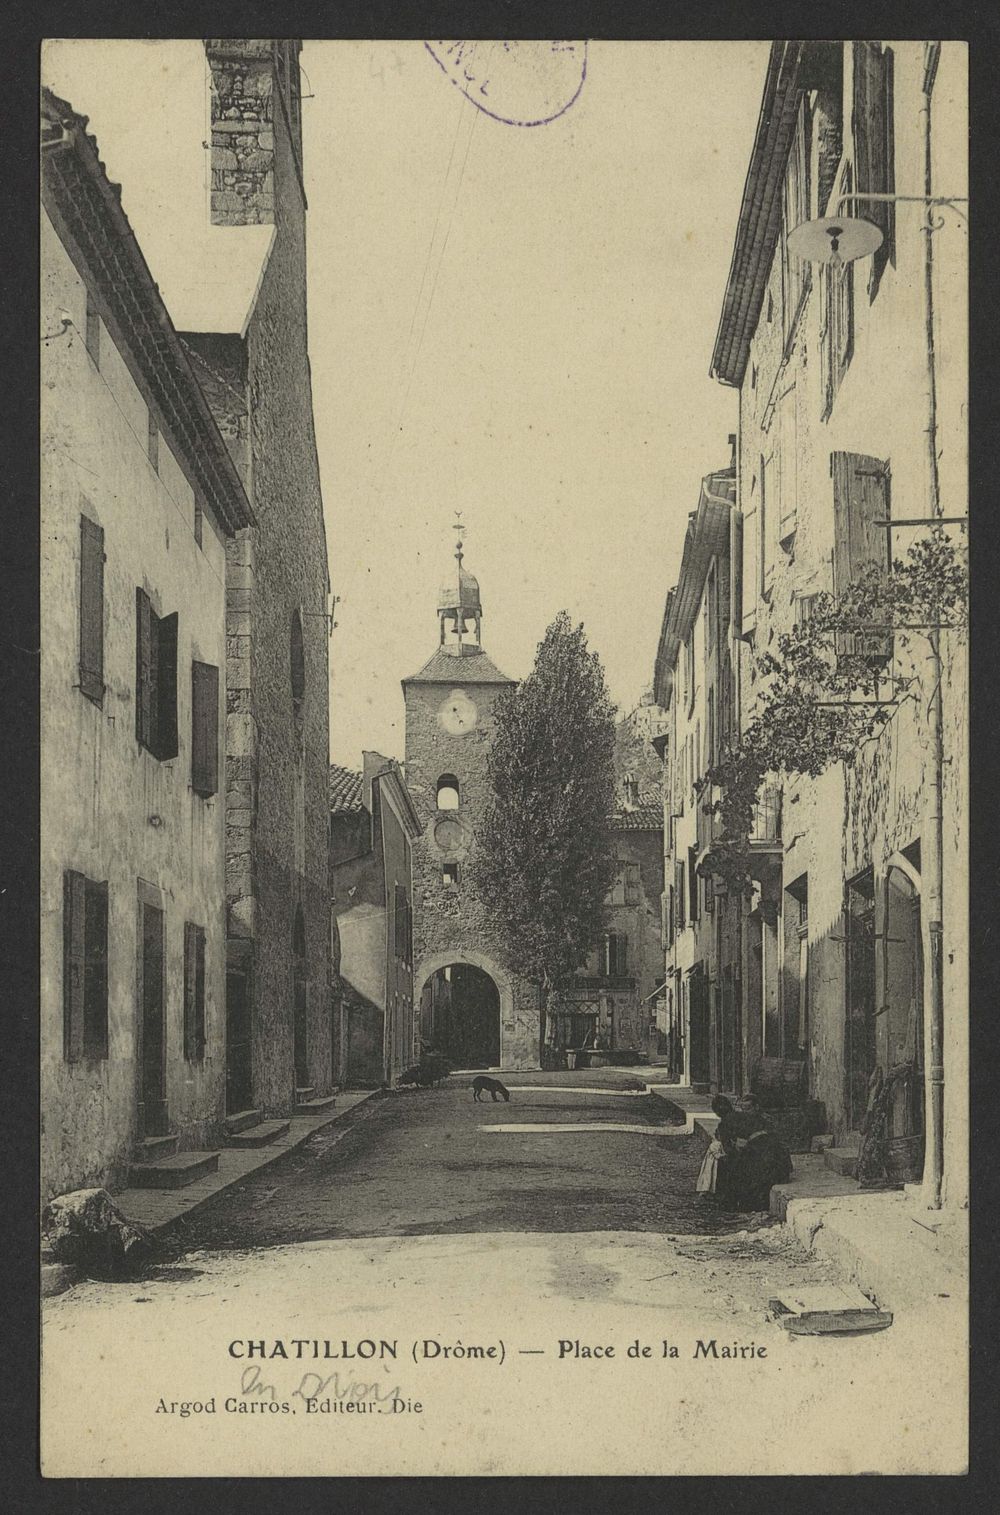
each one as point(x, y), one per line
point(86, 1229)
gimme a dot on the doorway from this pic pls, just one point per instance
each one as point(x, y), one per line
point(153, 1076)
point(900, 1028)
point(861, 1046)
point(239, 1054)
point(460, 1016)
point(698, 1027)
point(299, 981)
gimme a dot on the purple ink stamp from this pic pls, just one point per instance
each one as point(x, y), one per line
point(518, 83)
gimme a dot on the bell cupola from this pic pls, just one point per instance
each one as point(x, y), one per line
point(460, 611)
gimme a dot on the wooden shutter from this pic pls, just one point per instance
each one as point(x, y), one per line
point(860, 499)
point(204, 729)
point(199, 992)
point(787, 455)
point(166, 687)
point(92, 610)
point(873, 146)
point(95, 999)
point(766, 510)
point(749, 568)
point(189, 990)
point(74, 962)
point(145, 669)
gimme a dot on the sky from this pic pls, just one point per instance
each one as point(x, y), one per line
point(512, 322)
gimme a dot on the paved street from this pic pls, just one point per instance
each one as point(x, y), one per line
point(433, 1161)
point(422, 1223)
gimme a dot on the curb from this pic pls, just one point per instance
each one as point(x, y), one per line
point(158, 1210)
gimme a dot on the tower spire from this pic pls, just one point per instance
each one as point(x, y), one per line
point(458, 602)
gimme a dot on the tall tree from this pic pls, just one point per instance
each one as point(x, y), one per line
point(545, 855)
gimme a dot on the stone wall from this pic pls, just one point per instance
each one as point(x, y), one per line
point(277, 758)
point(243, 97)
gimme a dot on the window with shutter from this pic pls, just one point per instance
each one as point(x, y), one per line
point(95, 998)
point(796, 274)
point(166, 687)
point(194, 992)
point(85, 967)
point(693, 895)
point(145, 671)
point(91, 610)
point(764, 508)
point(74, 923)
point(787, 454)
point(155, 679)
point(204, 729)
point(861, 497)
point(679, 871)
point(874, 156)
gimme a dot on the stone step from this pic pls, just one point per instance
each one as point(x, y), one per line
point(151, 1148)
point(241, 1120)
point(174, 1172)
point(258, 1136)
point(843, 1160)
point(313, 1106)
point(301, 1095)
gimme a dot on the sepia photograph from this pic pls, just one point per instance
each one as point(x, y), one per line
point(504, 757)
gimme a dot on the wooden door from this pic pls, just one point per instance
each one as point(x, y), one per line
point(153, 1091)
point(239, 1059)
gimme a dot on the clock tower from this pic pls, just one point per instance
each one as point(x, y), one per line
point(473, 1008)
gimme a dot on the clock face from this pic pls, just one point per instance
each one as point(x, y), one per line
point(449, 835)
point(458, 714)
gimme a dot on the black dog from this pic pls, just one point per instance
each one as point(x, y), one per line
point(482, 1085)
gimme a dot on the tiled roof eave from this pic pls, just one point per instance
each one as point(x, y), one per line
point(760, 215)
point(86, 207)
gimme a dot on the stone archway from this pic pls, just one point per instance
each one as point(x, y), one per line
point(470, 1029)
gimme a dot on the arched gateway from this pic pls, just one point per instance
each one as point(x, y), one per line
point(464, 1001)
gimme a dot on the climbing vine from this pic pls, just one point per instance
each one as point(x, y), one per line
point(831, 686)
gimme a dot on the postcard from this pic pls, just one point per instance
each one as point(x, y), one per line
point(504, 915)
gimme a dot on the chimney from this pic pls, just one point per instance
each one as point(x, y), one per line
point(242, 99)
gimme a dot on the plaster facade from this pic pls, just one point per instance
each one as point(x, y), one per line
point(834, 367)
point(111, 811)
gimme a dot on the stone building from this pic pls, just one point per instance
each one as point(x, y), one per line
point(256, 376)
point(471, 1008)
point(373, 826)
point(610, 1007)
point(140, 498)
point(694, 681)
point(852, 398)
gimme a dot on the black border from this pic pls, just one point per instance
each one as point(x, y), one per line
point(19, 558)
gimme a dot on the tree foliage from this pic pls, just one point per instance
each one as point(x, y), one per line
point(545, 858)
point(832, 686)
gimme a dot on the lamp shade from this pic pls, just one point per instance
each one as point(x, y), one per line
point(832, 237)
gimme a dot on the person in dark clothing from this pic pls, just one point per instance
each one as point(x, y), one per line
point(754, 1157)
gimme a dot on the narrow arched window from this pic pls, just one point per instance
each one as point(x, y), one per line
point(447, 792)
